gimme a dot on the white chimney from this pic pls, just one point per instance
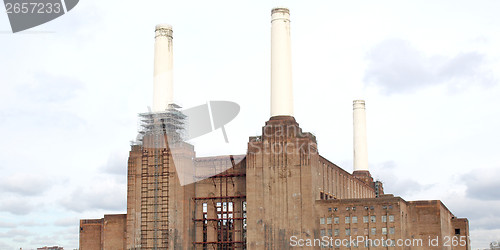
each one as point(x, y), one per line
point(360, 145)
point(281, 63)
point(163, 78)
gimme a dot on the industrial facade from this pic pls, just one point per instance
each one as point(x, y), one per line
point(281, 194)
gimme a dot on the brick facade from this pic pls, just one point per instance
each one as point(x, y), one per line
point(106, 233)
point(282, 189)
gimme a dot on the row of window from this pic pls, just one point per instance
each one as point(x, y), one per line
point(385, 207)
point(354, 231)
point(225, 224)
point(222, 207)
point(354, 219)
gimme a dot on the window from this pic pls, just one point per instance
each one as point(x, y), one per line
point(225, 224)
point(374, 231)
point(353, 208)
point(321, 220)
point(335, 209)
point(329, 232)
point(390, 206)
point(391, 218)
point(355, 231)
point(391, 230)
point(336, 232)
point(365, 219)
point(336, 220)
point(323, 233)
point(329, 220)
point(457, 230)
point(244, 224)
point(205, 215)
point(329, 209)
point(373, 218)
point(205, 222)
point(347, 231)
point(384, 218)
point(384, 230)
point(347, 219)
point(354, 219)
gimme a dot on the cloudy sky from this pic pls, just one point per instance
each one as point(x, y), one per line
point(70, 91)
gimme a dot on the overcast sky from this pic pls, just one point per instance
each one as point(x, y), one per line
point(71, 90)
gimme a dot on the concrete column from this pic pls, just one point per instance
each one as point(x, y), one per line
point(163, 78)
point(281, 64)
point(360, 145)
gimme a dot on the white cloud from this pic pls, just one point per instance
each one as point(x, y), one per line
point(68, 99)
point(67, 222)
point(481, 239)
point(18, 206)
point(483, 184)
point(117, 163)
point(5, 246)
point(393, 184)
point(26, 184)
point(16, 233)
point(99, 194)
point(4, 224)
point(395, 66)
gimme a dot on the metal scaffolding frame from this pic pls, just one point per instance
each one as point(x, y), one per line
point(162, 129)
point(171, 122)
point(223, 221)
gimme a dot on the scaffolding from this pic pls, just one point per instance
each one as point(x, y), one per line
point(227, 218)
point(171, 122)
point(157, 131)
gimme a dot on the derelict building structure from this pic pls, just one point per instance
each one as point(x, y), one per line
point(281, 194)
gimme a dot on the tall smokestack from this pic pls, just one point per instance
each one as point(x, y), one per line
point(360, 145)
point(163, 78)
point(281, 63)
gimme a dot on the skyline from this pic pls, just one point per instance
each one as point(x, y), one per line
point(72, 89)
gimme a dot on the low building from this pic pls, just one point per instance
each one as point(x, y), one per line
point(50, 248)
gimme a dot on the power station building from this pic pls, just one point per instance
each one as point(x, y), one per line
point(281, 194)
